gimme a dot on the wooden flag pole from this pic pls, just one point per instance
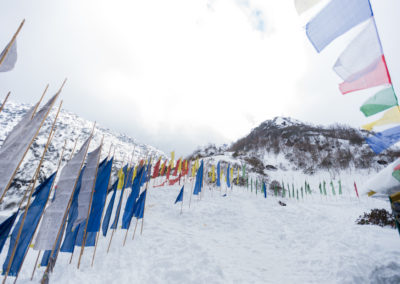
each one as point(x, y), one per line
point(127, 230)
point(190, 198)
point(104, 204)
point(90, 206)
point(40, 101)
point(11, 42)
point(43, 281)
point(118, 208)
point(144, 205)
point(4, 102)
point(27, 148)
point(48, 197)
point(30, 196)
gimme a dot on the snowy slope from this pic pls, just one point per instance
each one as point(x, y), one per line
point(240, 238)
point(69, 127)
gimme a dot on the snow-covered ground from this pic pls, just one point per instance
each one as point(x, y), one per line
point(240, 238)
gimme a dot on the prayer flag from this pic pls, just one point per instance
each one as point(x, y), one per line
point(336, 18)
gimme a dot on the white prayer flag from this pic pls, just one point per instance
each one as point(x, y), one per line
point(361, 53)
point(18, 142)
point(10, 59)
point(54, 214)
point(87, 184)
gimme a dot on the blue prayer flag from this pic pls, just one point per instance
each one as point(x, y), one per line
point(180, 196)
point(99, 196)
point(383, 140)
point(107, 216)
point(31, 222)
point(219, 174)
point(5, 228)
point(139, 205)
point(336, 18)
point(199, 179)
point(265, 190)
point(130, 202)
point(228, 182)
point(70, 235)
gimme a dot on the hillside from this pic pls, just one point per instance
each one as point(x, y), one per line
point(288, 144)
point(69, 127)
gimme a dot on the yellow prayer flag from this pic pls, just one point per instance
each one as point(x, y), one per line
point(134, 173)
point(231, 174)
point(121, 177)
point(213, 173)
point(180, 165)
point(171, 163)
point(390, 116)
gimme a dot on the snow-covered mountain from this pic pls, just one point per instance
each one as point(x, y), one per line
point(282, 145)
point(69, 127)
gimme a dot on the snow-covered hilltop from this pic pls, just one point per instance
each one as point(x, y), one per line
point(69, 127)
point(284, 149)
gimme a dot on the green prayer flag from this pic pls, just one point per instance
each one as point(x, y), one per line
point(381, 101)
point(340, 187)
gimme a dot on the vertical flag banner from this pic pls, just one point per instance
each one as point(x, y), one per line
point(212, 173)
point(179, 198)
point(100, 195)
point(219, 174)
point(53, 216)
point(199, 180)
point(10, 59)
point(18, 142)
point(87, 185)
point(107, 216)
point(5, 228)
point(31, 222)
point(130, 202)
point(265, 190)
point(171, 163)
point(336, 18)
point(68, 244)
point(228, 183)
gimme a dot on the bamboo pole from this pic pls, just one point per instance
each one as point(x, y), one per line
point(127, 230)
point(40, 101)
point(4, 102)
point(48, 197)
point(190, 198)
point(43, 281)
point(134, 231)
point(118, 209)
point(27, 148)
point(102, 214)
point(11, 42)
point(90, 206)
point(30, 196)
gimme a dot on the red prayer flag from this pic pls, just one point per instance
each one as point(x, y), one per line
point(377, 74)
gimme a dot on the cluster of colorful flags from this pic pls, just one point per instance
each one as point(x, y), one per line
point(362, 65)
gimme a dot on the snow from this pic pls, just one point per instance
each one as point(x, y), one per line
point(240, 238)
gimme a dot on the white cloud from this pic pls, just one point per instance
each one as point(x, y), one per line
point(177, 73)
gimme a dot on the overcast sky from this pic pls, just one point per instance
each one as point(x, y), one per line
point(181, 73)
